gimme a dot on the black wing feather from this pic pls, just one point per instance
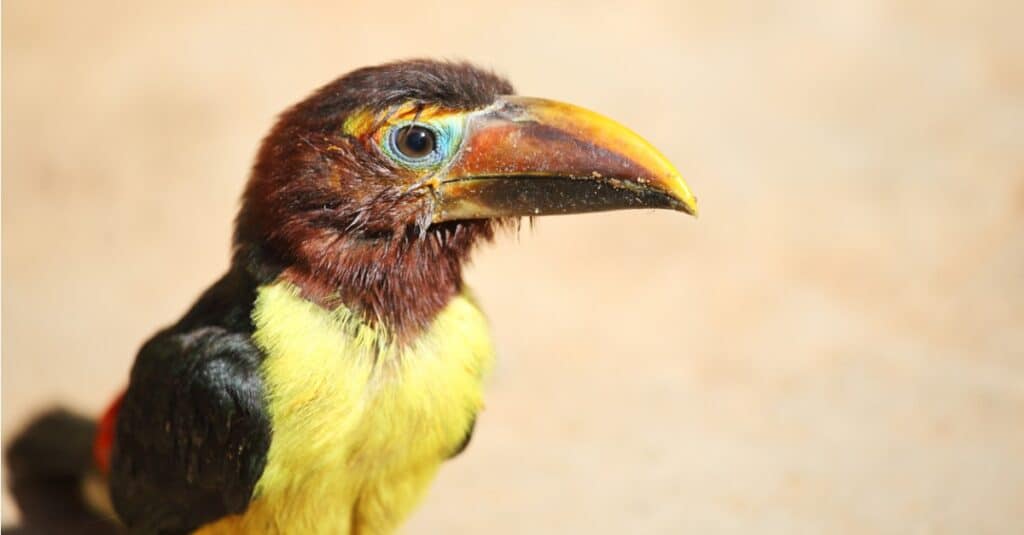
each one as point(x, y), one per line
point(193, 431)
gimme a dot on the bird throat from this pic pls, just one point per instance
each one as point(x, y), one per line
point(400, 284)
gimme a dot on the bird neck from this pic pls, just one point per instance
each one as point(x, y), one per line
point(399, 283)
point(399, 286)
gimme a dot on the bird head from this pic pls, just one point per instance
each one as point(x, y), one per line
point(371, 192)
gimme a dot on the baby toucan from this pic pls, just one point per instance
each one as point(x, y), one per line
point(320, 383)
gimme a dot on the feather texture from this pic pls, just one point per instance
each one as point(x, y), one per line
point(361, 422)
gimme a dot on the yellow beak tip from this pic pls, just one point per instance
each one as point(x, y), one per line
point(686, 199)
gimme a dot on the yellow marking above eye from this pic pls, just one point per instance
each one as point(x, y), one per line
point(365, 123)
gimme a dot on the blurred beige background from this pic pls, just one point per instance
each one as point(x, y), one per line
point(835, 346)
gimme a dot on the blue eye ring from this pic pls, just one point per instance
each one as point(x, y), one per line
point(415, 145)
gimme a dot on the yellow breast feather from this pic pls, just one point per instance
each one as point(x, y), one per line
point(360, 422)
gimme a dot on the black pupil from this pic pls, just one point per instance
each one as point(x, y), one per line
point(415, 141)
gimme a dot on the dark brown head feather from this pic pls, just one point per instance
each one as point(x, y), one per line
point(334, 217)
point(450, 84)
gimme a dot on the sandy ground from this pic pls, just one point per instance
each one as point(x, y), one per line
point(835, 346)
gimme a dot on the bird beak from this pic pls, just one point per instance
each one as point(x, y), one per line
point(527, 156)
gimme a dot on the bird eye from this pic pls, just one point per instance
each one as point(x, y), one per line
point(415, 141)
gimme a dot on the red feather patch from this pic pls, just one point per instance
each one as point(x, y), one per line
point(104, 440)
